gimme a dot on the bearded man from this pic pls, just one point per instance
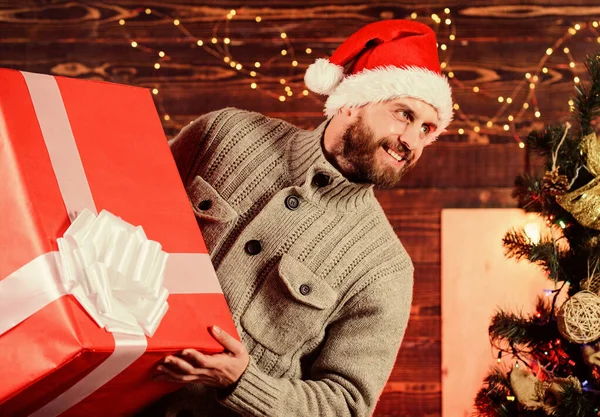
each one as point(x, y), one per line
point(318, 284)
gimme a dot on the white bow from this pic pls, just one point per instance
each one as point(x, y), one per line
point(115, 272)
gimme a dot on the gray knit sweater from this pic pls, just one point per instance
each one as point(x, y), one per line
point(318, 284)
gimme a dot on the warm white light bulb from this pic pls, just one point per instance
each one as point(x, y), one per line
point(532, 230)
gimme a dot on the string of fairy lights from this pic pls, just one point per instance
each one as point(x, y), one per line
point(291, 87)
point(530, 81)
point(220, 48)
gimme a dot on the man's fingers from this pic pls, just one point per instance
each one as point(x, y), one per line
point(174, 376)
point(161, 377)
point(183, 367)
point(179, 365)
point(226, 340)
point(219, 370)
point(200, 359)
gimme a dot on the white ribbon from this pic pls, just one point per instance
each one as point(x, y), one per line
point(110, 266)
point(115, 273)
point(39, 283)
point(128, 349)
point(29, 289)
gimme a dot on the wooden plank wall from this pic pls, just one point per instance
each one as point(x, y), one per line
point(496, 43)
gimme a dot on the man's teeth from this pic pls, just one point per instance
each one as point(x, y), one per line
point(394, 154)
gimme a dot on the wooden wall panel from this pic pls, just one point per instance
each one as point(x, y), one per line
point(497, 42)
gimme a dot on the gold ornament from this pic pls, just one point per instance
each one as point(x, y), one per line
point(591, 354)
point(584, 203)
point(579, 318)
point(554, 183)
point(592, 243)
point(528, 389)
point(592, 282)
point(534, 394)
point(591, 149)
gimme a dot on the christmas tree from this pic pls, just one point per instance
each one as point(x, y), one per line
point(556, 350)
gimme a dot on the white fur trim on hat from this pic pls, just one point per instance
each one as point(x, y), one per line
point(322, 77)
point(387, 83)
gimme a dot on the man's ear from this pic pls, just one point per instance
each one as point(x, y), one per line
point(348, 112)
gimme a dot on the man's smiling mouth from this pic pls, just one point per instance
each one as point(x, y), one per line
point(393, 153)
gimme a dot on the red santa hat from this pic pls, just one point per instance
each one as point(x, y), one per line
point(383, 61)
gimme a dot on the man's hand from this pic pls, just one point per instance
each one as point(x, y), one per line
point(220, 370)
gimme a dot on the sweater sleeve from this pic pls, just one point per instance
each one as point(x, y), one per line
point(192, 142)
point(352, 368)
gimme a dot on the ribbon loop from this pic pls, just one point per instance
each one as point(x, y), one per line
point(115, 272)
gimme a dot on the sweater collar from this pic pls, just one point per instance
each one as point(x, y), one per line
point(307, 160)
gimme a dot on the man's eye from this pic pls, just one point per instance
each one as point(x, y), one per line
point(425, 129)
point(403, 113)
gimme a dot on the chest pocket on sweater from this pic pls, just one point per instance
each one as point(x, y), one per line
point(289, 308)
point(215, 216)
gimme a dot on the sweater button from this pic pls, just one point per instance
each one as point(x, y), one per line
point(304, 289)
point(292, 202)
point(205, 205)
point(253, 247)
point(320, 180)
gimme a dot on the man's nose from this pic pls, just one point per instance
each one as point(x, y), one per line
point(411, 137)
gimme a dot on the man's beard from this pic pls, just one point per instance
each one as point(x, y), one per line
point(358, 159)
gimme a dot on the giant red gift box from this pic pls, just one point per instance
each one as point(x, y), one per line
point(59, 352)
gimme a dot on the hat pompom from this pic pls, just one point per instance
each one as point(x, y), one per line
point(323, 77)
